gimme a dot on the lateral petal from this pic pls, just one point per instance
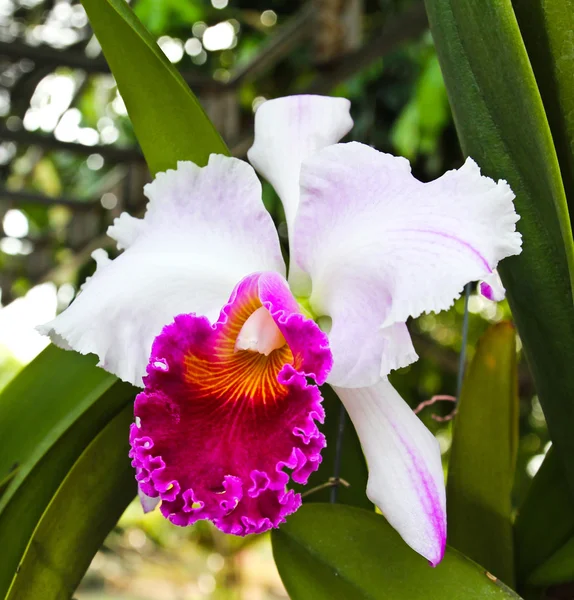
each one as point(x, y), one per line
point(204, 230)
point(381, 246)
point(405, 472)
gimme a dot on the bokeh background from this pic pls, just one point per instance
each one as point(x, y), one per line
point(70, 164)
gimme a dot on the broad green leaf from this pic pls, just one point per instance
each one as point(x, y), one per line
point(168, 120)
point(353, 468)
point(559, 568)
point(7, 480)
point(483, 455)
point(502, 124)
point(49, 413)
point(24, 503)
point(41, 403)
point(545, 521)
point(336, 552)
point(547, 27)
point(85, 507)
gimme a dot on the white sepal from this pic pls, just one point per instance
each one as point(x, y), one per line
point(405, 472)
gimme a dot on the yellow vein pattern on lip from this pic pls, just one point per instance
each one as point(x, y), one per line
point(236, 375)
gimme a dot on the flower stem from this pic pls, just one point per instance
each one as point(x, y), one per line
point(328, 484)
point(462, 357)
point(338, 454)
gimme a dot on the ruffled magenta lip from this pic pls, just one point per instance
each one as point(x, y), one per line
point(221, 433)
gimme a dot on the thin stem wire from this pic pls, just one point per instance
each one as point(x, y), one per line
point(462, 357)
point(338, 454)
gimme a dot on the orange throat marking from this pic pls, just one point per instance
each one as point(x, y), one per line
point(232, 375)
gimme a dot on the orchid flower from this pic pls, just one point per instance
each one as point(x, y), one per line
point(231, 352)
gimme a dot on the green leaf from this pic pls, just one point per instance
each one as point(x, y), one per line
point(26, 505)
point(545, 521)
point(41, 402)
point(547, 27)
point(502, 124)
point(48, 416)
point(483, 455)
point(559, 568)
point(7, 480)
point(335, 552)
point(353, 467)
point(85, 507)
point(168, 120)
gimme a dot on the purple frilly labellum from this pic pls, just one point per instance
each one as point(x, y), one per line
point(220, 431)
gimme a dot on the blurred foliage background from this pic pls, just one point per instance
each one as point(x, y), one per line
point(69, 164)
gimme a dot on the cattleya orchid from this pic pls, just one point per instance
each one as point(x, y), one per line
point(230, 352)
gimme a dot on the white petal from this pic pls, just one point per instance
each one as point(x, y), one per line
point(491, 287)
point(405, 472)
point(289, 130)
point(381, 246)
point(397, 351)
point(361, 347)
point(204, 230)
point(126, 230)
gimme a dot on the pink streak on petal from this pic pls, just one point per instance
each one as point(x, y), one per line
point(486, 290)
point(218, 432)
point(454, 238)
point(429, 497)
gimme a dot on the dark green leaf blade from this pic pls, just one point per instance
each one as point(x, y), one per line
point(547, 27)
point(335, 552)
point(85, 507)
point(559, 568)
point(501, 123)
point(168, 120)
point(26, 501)
point(483, 456)
point(545, 521)
point(41, 402)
